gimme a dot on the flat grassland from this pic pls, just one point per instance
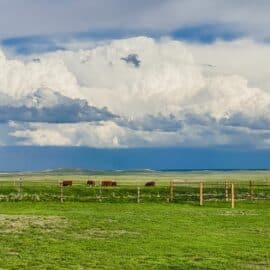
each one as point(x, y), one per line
point(126, 235)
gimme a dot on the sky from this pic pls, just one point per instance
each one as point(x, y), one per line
point(111, 81)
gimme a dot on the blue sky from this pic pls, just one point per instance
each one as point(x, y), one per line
point(195, 86)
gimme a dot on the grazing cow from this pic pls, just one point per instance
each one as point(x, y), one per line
point(91, 183)
point(108, 183)
point(150, 184)
point(67, 183)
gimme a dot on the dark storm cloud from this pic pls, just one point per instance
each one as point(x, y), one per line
point(132, 59)
point(241, 120)
point(199, 119)
point(235, 120)
point(152, 123)
point(64, 110)
point(39, 18)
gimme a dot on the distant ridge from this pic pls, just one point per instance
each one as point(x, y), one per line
point(77, 171)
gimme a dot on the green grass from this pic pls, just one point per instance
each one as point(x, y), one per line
point(44, 190)
point(109, 230)
point(76, 235)
point(140, 176)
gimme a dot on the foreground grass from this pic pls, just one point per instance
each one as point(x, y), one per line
point(76, 235)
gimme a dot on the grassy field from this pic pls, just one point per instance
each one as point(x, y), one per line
point(134, 236)
point(141, 176)
point(45, 186)
point(126, 235)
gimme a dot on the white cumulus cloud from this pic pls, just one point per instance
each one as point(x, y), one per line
point(136, 92)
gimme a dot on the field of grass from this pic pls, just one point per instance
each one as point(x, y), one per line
point(40, 234)
point(142, 176)
point(45, 186)
point(134, 236)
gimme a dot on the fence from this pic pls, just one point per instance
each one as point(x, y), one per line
point(134, 191)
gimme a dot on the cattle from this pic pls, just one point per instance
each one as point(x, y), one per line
point(91, 183)
point(66, 183)
point(108, 183)
point(150, 184)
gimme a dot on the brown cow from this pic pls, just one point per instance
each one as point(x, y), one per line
point(150, 184)
point(67, 183)
point(108, 183)
point(91, 183)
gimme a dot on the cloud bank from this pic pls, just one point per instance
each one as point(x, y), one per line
point(135, 92)
point(29, 18)
point(47, 106)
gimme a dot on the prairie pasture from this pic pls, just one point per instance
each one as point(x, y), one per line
point(39, 232)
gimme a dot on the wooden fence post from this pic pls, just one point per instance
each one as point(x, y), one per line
point(201, 193)
point(226, 192)
point(20, 187)
point(100, 191)
point(232, 194)
point(171, 191)
point(61, 192)
point(251, 193)
point(138, 194)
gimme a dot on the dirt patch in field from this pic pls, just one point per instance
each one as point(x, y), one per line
point(238, 213)
point(97, 233)
point(21, 223)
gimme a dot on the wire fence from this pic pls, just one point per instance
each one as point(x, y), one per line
point(134, 191)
